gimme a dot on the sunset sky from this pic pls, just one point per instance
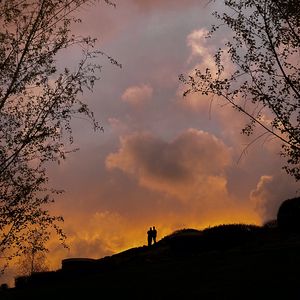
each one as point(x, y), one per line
point(162, 160)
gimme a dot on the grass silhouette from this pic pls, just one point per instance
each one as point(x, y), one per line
point(236, 261)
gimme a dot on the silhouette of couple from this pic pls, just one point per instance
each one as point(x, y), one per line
point(152, 233)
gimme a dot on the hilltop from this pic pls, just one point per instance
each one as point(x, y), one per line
point(234, 261)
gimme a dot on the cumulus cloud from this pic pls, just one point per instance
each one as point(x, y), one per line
point(193, 161)
point(89, 248)
point(99, 237)
point(203, 50)
point(201, 57)
point(197, 42)
point(137, 95)
point(92, 235)
point(271, 191)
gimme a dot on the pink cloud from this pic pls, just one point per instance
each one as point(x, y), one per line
point(137, 95)
point(166, 4)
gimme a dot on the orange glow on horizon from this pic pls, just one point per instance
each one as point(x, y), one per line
point(97, 243)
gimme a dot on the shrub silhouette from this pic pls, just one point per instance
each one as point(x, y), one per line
point(288, 216)
point(231, 235)
point(214, 238)
point(271, 224)
point(4, 287)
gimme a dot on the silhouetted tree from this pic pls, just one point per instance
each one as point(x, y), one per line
point(288, 216)
point(37, 103)
point(34, 257)
point(263, 79)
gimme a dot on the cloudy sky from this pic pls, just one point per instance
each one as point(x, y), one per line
point(162, 160)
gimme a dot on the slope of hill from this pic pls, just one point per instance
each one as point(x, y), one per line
point(224, 262)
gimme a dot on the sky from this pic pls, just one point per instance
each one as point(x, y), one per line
point(163, 160)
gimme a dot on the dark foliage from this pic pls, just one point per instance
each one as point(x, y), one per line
point(288, 216)
point(215, 238)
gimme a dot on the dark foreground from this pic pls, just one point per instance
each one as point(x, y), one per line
point(227, 262)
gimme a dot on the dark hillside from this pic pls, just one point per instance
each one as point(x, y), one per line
point(224, 262)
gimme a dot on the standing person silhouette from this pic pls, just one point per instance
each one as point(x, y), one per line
point(154, 234)
point(150, 236)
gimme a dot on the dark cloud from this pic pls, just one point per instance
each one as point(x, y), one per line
point(179, 167)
